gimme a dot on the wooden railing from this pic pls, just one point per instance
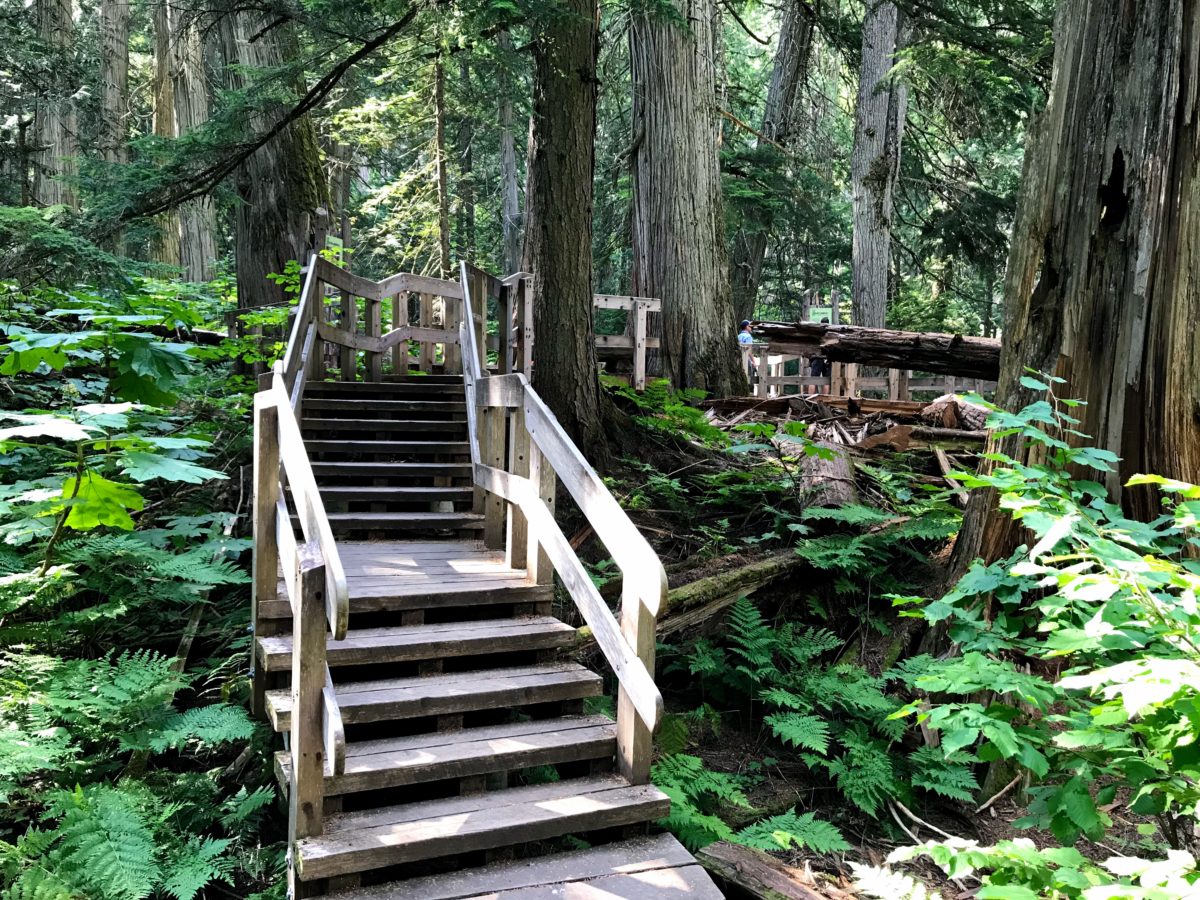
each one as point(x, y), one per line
point(768, 379)
point(518, 450)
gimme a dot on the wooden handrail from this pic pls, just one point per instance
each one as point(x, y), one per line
point(629, 646)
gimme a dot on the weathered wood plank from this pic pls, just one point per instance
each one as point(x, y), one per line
point(266, 555)
point(659, 852)
point(476, 822)
point(435, 756)
point(306, 790)
point(403, 698)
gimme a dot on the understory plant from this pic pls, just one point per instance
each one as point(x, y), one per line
point(1076, 664)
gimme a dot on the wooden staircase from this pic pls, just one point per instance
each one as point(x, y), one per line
point(438, 743)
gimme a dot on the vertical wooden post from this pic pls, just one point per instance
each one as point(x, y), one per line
point(348, 361)
point(951, 384)
point(905, 391)
point(426, 364)
point(893, 384)
point(525, 317)
point(764, 362)
point(491, 453)
point(634, 740)
point(306, 790)
point(639, 345)
point(319, 369)
point(399, 320)
point(516, 545)
point(479, 296)
point(544, 482)
point(507, 331)
point(850, 379)
point(266, 551)
point(452, 352)
point(837, 373)
point(374, 328)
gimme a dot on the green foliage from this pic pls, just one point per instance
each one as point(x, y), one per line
point(789, 831)
point(1111, 603)
point(661, 409)
point(696, 793)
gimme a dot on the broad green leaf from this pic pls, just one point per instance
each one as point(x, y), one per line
point(99, 501)
point(142, 466)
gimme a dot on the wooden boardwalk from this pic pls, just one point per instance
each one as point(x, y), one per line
point(438, 741)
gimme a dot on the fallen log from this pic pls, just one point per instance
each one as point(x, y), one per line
point(824, 481)
point(692, 603)
point(754, 872)
point(925, 351)
point(919, 437)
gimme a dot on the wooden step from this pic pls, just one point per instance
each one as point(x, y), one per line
point(311, 425)
point(390, 448)
point(401, 521)
point(370, 646)
point(647, 868)
point(357, 842)
point(390, 597)
point(419, 377)
point(420, 387)
point(458, 692)
point(376, 765)
point(389, 469)
point(389, 494)
point(350, 405)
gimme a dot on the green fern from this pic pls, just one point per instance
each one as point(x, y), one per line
point(850, 514)
point(806, 732)
point(106, 840)
point(951, 777)
point(695, 793)
point(864, 773)
point(217, 723)
point(753, 641)
point(197, 863)
point(789, 831)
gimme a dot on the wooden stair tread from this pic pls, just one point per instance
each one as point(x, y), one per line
point(373, 403)
point(457, 692)
point(636, 869)
point(375, 838)
point(436, 446)
point(310, 424)
point(412, 642)
point(373, 765)
point(369, 520)
point(388, 492)
point(384, 469)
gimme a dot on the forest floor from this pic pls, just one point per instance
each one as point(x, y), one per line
point(719, 492)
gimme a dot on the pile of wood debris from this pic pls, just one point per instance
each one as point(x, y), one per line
point(860, 426)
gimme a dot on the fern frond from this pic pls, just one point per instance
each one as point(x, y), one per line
point(953, 778)
point(790, 831)
point(198, 863)
point(864, 772)
point(217, 723)
point(107, 841)
point(806, 732)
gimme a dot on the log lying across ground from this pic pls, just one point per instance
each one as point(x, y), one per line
point(924, 351)
point(754, 873)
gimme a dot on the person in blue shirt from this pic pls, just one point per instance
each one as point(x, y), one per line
point(744, 336)
point(745, 339)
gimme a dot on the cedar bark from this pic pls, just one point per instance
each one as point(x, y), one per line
point(1103, 282)
point(875, 162)
point(166, 247)
point(57, 127)
point(197, 218)
point(282, 188)
point(439, 151)
point(510, 214)
point(778, 125)
point(114, 80)
point(679, 250)
point(558, 239)
point(464, 149)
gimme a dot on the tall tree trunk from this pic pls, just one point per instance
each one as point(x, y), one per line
point(778, 124)
point(464, 148)
point(875, 163)
point(197, 218)
point(57, 128)
point(165, 248)
point(558, 203)
point(1103, 282)
point(114, 80)
point(678, 221)
point(282, 214)
point(439, 151)
point(510, 211)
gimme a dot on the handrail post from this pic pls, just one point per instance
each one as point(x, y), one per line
point(451, 351)
point(306, 791)
point(426, 365)
point(525, 327)
point(266, 552)
point(517, 542)
point(639, 345)
point(634, 739)
point(541, 473)
point(348, 361)
point(479, 291)
point(506, 332)
point(374, 329)
point(399, 320)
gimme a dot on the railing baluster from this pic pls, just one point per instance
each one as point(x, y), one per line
point(399, 320)
point(491, 451)
point(266, 553)
point(635, 742)
point(518, 464)
point(307, 788)
point(537, 563)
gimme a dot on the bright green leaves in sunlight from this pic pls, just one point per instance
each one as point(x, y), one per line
point(93, 500)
